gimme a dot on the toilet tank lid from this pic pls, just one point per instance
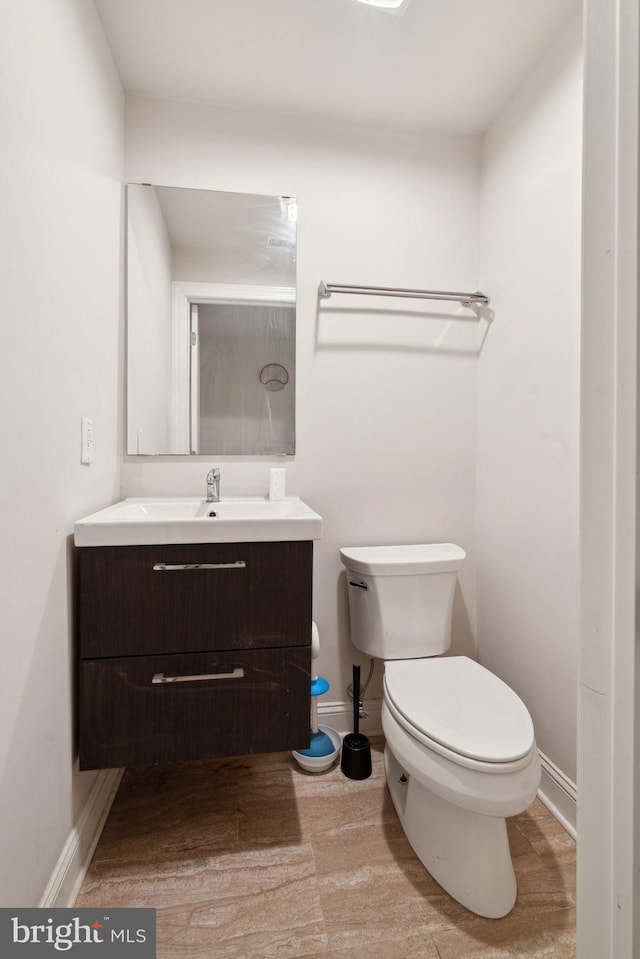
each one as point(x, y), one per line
point(403, 560)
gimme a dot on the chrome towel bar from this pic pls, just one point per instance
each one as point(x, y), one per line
point(466, 299)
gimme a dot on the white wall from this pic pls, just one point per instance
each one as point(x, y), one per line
point(60, 165)
point(149, 260)
point(386, 395)
point(528, 398)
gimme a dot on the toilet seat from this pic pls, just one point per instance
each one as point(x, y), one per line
point(462, 711)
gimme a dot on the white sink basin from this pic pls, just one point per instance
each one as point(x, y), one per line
point(149, 521)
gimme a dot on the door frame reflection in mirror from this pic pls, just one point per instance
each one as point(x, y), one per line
point(183, 294)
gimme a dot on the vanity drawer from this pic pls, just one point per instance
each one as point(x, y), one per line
point(150, 709)
point(136, 600)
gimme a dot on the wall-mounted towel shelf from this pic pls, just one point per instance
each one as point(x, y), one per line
point(466, 299)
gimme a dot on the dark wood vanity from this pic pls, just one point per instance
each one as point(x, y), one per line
point(193, 651)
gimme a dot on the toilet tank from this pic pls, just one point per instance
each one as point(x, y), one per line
point(401, 598)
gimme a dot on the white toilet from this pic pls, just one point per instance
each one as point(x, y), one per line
point(460, 752)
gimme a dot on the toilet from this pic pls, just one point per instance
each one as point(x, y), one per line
point(460, 754)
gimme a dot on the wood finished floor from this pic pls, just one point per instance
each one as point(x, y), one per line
point(252, 858)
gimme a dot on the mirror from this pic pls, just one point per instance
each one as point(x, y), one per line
point(211, 310)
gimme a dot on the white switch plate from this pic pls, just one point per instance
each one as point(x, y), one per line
point(86, 443)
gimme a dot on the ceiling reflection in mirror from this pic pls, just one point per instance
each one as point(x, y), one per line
point(210, 322)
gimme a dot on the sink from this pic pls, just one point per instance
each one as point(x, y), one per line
point(147, 521)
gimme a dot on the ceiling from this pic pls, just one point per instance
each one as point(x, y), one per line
point(445, 66)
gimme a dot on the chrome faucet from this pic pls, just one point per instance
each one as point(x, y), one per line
point(213, 485)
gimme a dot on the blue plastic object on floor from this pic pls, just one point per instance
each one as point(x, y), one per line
point(321, 744)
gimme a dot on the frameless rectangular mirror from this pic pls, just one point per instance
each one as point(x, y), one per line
point(211, 310)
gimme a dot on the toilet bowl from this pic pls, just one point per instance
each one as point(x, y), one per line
point(460, 753)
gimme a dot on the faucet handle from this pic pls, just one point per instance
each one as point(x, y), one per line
point(213, 474)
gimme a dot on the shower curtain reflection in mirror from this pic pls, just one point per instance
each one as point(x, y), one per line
point(230, 259)
point(233, 408)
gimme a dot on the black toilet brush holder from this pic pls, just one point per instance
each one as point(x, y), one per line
point(355, 762)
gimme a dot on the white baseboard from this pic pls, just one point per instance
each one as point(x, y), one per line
point(559, 794)
point(339, 716)
point(71, 868)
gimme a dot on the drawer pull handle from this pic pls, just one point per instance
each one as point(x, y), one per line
point(159, 678)
point(167, 568)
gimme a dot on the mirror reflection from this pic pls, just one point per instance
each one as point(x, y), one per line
point(210, 322)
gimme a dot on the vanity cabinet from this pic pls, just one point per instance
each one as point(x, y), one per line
point(193, 651)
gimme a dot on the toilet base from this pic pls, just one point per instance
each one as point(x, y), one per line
point(466, 852)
